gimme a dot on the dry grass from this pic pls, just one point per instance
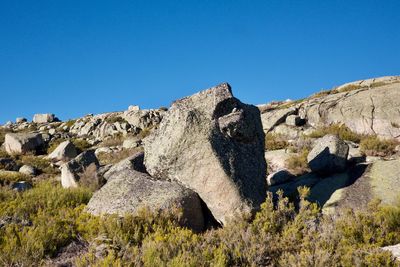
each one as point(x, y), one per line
point(297, 164)
point(342, 131)
point(275, 142)
point(115, 157)
point(374, 146)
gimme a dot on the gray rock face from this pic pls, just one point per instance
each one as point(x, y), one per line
point(22, 143)
point(329, 155)
point(72, 170)
point(129, 190)
point(214, 144)
point(64, 152)
point(134, 162)
point(365, 107)
point(44, 118)
point(28, 170)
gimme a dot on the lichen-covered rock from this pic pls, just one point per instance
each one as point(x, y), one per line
point(279, 177)
point(214, 144)
point(129, 190)
point(329, 155)
point(64, 152)
point(22, 143)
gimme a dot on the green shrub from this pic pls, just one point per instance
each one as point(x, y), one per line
point(275, 142)
point(374, 146)
point(342, 131)
point(52, 213)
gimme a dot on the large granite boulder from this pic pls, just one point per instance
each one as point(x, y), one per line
point(214, 144)
point(329, 155)
point(22, 143)
point(129, 190)
point(64, 152)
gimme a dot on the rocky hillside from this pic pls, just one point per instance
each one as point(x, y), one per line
point(216, 160)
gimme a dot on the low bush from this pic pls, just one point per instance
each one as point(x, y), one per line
point(115, 119)
point(374, 146)
point(81, 144)
point(275, 142)
point(48, 218)
point(115, 140)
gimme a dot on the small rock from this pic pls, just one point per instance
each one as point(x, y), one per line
point(8, 164)
point(329, 155)
point(133, 108)
point(21, 186)
point(52, 131)
point(20, 120)
point(28, 170)
point(44, 118)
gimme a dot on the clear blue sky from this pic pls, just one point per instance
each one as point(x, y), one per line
point(72, 57)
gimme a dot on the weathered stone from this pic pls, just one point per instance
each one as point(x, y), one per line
point(21, 143)
point(72, 170)
point(44, 118)
point(276, 159)
point(131, 143)
point(294, 120)
point(134, 162)
point(20, 120)
point(64, 152)
point(28, 170)
point(129, 191)
point(275, 117)
point(133, 108)
point(214, 144)
point(329, 155)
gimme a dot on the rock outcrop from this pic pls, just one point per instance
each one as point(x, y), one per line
point(22, 143)
point(365, 107)
point(213, 144)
